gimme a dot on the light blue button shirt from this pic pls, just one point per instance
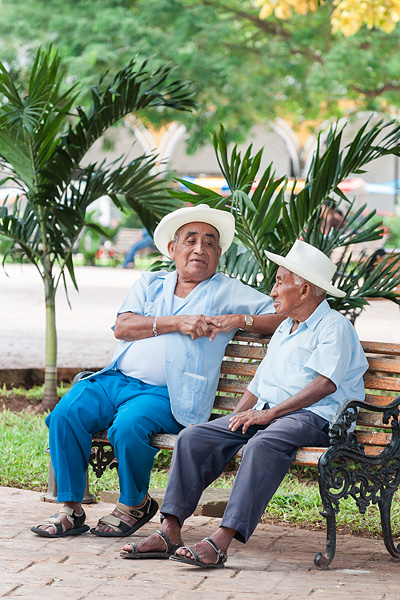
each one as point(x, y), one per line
point(192, 366)
point(326, 343)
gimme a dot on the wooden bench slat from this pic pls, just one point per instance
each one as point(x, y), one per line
point(244, 351)
point(308, 456)
point(250, 337)
point(372, 420)
point(239, 369)
point(231, 386)
point(225, 403)
point(374, 438)
point(378, 400)
point(384, 365)
point(163, 441)
point(373, 381)
point(389, 348)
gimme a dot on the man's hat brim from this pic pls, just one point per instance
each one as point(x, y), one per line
point(222, 220)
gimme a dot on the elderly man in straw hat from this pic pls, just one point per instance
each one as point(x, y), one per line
point(173, 329)
point(314, 361)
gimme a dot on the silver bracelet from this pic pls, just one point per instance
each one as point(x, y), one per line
point(155, 327)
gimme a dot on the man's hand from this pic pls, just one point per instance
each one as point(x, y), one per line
point(248, 418)
point(194, 325)
point(223, 323)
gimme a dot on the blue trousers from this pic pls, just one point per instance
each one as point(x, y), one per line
point(145, 242)
point(202, 452)
point(131, 409)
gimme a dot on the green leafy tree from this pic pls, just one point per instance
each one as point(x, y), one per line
point(297, 68)
point(43, 140)
point(270, 216)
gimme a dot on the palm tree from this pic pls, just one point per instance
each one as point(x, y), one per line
point(266, 218)
point(43, 140)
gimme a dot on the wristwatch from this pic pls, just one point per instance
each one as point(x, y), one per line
point(248, 322)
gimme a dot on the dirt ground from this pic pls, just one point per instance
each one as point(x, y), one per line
point(16, 403)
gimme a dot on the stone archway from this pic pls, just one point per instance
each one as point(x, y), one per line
point(160, 142)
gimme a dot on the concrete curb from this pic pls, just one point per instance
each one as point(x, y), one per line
point(212, 502)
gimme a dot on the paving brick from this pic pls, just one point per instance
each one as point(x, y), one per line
point(277, 562)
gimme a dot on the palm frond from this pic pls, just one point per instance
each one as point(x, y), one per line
point(133, 88)
point(267, 219)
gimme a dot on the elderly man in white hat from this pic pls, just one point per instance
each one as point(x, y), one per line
point(314, 361)
point(173, 329)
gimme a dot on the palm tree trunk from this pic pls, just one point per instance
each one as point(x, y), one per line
point(50, 397)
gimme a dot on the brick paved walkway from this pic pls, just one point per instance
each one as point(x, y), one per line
point(277, 562)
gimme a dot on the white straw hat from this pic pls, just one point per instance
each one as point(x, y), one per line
point(311, 264)
point(222, 220)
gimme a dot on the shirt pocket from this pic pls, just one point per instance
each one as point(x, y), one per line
point(193, 386)
point(298, 359)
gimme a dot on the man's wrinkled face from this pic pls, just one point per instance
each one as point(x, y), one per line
point(286, 293)
point(196, 252)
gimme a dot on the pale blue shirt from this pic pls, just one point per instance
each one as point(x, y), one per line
point(326, 343)
point(192, 366)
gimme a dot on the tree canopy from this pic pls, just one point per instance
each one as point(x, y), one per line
point(248, 69)
point(348, 16)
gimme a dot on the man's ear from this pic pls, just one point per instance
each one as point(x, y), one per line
point(305, 290)
point(171, 249)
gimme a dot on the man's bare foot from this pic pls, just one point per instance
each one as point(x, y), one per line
point(205, 551)
point(154, 542)
point(210, 551)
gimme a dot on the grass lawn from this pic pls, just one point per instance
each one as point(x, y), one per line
point(24, 438)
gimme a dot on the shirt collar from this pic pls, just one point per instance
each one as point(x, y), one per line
point(312, 321)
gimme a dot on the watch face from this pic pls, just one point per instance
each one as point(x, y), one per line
point(248, 320)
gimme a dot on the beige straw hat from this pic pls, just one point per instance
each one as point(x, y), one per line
point(311, 264)
point(222, 220)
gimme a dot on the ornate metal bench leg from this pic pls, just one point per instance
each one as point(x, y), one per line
point(385, 505)
point(322, 561)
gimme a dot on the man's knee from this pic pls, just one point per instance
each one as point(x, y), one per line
point(186, 436)
point(129, 428)
point(196, 436)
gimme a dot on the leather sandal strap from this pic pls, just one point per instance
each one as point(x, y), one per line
point(166, 540)
point(134, 511)
point(55, 522)
point(118, 525)
point(68, 512)
point(222, 558)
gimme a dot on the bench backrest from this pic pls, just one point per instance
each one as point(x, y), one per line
point(382, 381)
point(125, 238)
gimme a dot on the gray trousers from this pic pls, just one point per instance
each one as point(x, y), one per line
point(202, 452)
